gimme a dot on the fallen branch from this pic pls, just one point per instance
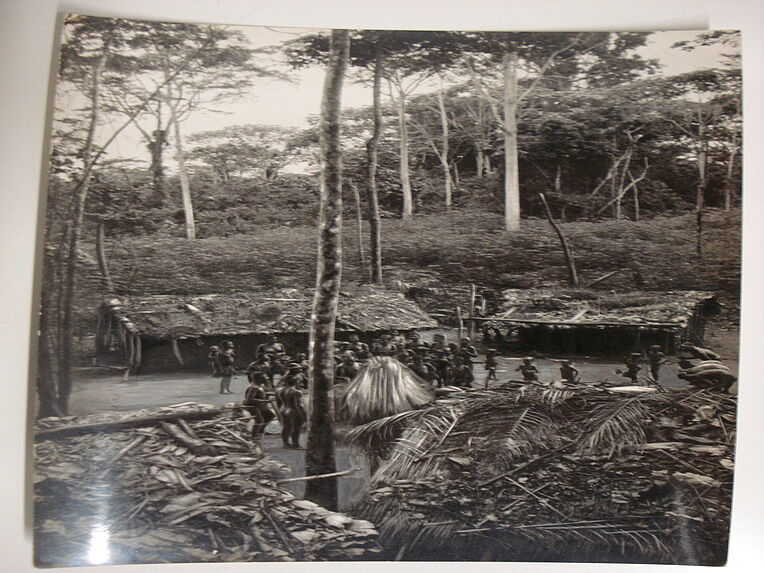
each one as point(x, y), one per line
point(602, 278)
point(64, 431)
point(322, 476)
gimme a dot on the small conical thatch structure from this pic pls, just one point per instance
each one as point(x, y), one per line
point(383, 387)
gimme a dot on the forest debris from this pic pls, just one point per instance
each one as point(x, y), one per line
point(164, 502)
point(630, 489)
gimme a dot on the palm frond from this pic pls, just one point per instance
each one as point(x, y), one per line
point(613, 425)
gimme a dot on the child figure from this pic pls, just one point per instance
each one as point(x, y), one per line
point(529, 370)
point(632, 367)
point(213, 360)
point(490, 364)
point(656, 359)
point(568, 372)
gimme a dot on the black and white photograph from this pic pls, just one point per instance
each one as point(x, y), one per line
point(375, 295)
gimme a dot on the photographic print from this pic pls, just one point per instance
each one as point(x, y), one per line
point(387, 295)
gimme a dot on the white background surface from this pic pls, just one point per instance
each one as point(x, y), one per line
point(26, 47)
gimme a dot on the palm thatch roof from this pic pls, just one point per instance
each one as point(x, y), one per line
point(589, 307)
point(361, 309)
point(530, 473)
point(184, 490)
point(383, 387)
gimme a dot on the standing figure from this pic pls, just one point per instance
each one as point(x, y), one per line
point(443, 365)
point(257, 404)
point(490, 365)
point(632, 367)
point(656, 358)
point(466, 351)
point(226, 366)
point(439, 342)
point(529, 370)
point(294, 374)
point(346, 371)
point(460, 374)
point(360, 349)
point(272, 348)
point(424, 370)
point(213, 361)
point(293, 414)
point(302, 360)
point(568, 372)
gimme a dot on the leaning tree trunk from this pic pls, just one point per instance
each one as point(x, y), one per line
point(408, 200)
point(511, 173)
point(319, 456)
point(185, 188)
point(567, 251)
point(372, 152)
point(75, 229)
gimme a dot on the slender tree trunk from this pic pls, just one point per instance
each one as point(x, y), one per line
point(444, 146)
point(479, 163)
point(359, 225)
point(319, 456)
point(103, 266)
point(511, 173)
point(567, 251)
point(636, 202)
point(728, 187)
point(185, 188)
point(408, 200)
point(487, 168)
point(75, 229)
point(46, 383)
point(157, 158)
point(372, 148)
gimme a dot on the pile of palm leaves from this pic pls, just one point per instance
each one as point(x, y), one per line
point(383, 387)
point(138, 495)
point(525, 472)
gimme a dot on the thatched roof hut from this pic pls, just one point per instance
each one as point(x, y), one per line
point(588, 321)
point(164, 332)
point(529, 473)
point(120, 488)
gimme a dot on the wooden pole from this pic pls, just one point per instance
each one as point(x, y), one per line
point(471, 312)
point(459, 321)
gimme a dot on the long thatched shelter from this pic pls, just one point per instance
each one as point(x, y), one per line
point(172, 332)
point(589, 321)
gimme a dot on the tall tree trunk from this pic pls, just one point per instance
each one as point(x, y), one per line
point(359, 225)
point(156, 146)
point(408, 200)
point(487, 167)
point(103, 266)
point(728, 187)
point(636, 201)
point(372, 149)
point(567, 251)
point(185, 188)
point(511, 173)
point(75, 229)
point(46, 383)
point(319, 456)
point(479, 163)
point(444, 145)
